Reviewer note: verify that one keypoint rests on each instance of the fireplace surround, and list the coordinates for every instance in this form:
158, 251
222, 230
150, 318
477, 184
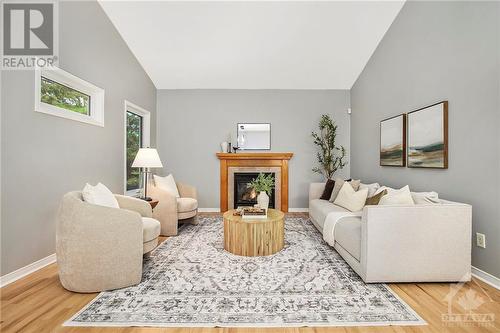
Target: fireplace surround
252, 163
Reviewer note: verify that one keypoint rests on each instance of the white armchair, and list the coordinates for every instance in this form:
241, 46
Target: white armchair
171, 211
100, 248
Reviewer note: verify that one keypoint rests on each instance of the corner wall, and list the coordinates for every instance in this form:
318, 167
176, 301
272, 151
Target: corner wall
192, 123
44, 156
439, 51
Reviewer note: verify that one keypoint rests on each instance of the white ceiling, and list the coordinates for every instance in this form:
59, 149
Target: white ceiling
252, 45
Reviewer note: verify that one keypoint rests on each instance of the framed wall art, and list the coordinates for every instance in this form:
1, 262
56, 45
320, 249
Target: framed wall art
393, 141
428, 137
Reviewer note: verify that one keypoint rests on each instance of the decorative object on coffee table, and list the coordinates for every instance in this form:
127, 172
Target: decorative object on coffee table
251, 238
146, 159
263, 184
330, 157
393, 141
428, 137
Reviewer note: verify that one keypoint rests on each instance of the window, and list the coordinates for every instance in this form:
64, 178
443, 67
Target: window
64, 97
137, 126
62, 94
134, 142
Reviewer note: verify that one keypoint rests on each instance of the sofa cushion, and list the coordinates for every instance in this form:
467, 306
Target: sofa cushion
327, 192
348, 235
99, 195
186, 204
351, 199
319, 209
339, 182
150, 229
167, 184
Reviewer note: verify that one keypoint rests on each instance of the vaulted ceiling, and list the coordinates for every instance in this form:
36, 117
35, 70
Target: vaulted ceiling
252, 45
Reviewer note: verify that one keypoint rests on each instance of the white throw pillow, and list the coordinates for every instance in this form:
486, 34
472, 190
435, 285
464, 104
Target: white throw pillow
167, 184
99, 195
372, 188
350, 199
397, 197
425, 197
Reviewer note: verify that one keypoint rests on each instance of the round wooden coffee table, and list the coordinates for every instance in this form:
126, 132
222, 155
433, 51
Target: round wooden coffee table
254, 237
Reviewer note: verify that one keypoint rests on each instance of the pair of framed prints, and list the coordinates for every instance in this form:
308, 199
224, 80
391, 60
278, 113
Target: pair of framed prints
418, 139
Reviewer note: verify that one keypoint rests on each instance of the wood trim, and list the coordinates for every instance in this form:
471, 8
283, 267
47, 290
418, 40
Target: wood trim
228, 160
254, 156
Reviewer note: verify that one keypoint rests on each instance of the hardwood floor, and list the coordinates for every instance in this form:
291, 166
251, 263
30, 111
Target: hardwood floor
38, 303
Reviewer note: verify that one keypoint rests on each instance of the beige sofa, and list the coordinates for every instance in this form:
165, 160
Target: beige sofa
100, 248
420, 243
171, 211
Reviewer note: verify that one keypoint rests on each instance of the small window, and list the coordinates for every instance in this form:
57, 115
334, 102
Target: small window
134, 142
64, 97
62, 94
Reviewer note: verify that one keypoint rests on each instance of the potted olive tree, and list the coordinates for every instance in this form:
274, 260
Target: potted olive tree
330, 156
263, 184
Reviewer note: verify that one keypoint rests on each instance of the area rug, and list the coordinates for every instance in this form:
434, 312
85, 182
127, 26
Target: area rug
191, 281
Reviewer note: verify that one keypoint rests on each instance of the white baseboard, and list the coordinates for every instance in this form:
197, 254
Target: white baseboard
26, 270
209, 210
298, 210
486, 277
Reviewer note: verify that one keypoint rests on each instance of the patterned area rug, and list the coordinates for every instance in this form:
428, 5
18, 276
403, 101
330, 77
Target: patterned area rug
191, 281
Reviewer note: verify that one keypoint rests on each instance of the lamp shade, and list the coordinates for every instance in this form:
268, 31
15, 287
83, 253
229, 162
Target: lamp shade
147, 158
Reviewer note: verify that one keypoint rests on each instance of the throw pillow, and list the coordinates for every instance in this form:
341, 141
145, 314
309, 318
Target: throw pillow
339, 182
425, 197
397, 197
99, 195
167, 184
372, 188
350, 199
327, 192
375, 199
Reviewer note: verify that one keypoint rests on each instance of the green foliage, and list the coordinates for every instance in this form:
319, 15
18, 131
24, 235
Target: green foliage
134, 142
64, 97
330, 156
263, 182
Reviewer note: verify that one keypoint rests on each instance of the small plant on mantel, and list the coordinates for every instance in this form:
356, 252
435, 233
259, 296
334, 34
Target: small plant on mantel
263, 183
330, 156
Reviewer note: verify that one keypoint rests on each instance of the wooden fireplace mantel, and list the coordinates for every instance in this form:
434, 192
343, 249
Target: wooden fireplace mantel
228, 160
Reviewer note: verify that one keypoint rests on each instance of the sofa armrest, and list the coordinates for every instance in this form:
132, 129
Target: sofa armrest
316, 190
134, 204
187, 191
416, 243
165, 211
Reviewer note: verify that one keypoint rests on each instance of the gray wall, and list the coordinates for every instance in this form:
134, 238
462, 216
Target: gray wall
192, 123
433, 52
45, 156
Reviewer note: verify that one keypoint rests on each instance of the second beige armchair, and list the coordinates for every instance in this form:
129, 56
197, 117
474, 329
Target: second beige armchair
171, 210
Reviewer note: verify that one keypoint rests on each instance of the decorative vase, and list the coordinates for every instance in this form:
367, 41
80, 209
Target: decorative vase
224, 146
263, 200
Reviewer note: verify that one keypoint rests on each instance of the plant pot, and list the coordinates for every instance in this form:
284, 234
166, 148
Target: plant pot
263, 200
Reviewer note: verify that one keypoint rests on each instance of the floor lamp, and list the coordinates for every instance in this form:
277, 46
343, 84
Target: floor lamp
146, 159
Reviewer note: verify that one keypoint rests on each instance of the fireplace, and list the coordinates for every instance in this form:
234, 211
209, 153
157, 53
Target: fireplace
244, 195
253, 163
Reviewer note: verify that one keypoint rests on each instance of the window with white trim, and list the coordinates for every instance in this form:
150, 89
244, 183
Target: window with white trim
62, 94
137, 127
